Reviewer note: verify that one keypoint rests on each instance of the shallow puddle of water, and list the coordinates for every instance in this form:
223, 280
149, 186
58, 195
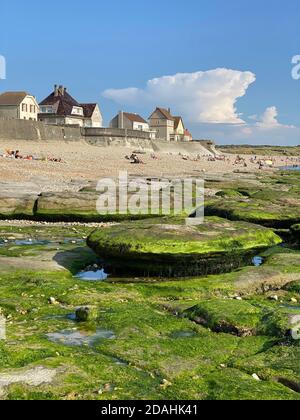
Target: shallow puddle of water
28, 242
98, 275
80, 338
183, 334
73, 241
290, 307
69, 317
291, 168
257, 261
119, 362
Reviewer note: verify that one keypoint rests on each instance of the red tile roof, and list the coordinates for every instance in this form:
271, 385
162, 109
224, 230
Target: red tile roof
187, 133
165, 113
134, 118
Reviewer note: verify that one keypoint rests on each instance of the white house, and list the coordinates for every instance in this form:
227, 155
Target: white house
18, 105
59, 108
130, 122
168, 127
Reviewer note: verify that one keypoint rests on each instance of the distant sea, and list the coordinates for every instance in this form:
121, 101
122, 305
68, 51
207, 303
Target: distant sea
290, 168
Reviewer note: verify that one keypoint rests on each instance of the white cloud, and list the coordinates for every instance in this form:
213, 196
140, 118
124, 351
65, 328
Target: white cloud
201, 97
247, 134
269, 120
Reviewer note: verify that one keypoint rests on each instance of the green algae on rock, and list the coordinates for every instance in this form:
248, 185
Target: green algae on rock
86, 313
242, 318
151, 343
82, 206
262, 212
170, 247
273, 203
79, 206
228, 316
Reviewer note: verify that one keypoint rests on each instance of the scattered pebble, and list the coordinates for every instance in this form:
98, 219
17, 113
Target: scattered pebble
53, 301
294, 300
165, 384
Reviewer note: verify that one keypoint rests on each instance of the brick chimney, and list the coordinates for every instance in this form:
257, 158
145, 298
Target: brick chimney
121, 119
61, 90
55, 90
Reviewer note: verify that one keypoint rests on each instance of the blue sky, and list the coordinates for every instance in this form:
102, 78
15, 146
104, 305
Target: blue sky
95, 46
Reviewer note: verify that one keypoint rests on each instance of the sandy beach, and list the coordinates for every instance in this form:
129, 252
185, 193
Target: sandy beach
83, 163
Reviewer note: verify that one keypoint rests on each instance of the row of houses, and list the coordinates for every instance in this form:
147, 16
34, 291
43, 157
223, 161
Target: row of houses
60, 108
162, 124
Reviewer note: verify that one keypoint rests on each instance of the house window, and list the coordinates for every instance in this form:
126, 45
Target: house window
77, 110
47, 110
32, 109
24, 107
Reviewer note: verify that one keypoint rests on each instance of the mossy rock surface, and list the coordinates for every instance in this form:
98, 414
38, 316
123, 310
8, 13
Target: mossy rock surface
241, 318
170, 247
280, 214
151, 345
228, 316
80, 206
229, 193
274, 203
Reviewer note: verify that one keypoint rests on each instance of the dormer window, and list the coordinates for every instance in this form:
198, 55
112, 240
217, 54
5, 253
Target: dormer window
47, 109
77, 110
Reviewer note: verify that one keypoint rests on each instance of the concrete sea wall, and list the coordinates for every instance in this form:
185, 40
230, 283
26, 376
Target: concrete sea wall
14, 130
36, 131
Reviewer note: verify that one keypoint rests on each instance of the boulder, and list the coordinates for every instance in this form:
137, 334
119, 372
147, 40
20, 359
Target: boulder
172, 248
67, 206
18, 205
82, 207
86, 313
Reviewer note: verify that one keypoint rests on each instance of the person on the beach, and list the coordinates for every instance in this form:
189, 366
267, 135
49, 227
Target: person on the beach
135, 159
